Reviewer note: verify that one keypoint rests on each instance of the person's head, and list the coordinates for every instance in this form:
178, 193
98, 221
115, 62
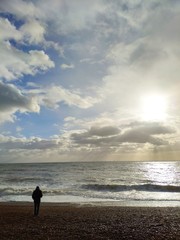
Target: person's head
37, 188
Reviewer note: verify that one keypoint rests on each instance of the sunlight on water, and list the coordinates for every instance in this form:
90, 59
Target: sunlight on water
162, 173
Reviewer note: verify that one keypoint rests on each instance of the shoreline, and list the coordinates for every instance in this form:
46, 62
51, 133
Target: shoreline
74, 221
133, 204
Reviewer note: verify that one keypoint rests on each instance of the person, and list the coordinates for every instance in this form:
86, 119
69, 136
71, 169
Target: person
36, 196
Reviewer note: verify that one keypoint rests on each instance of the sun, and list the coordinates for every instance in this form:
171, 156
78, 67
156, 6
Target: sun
154, 107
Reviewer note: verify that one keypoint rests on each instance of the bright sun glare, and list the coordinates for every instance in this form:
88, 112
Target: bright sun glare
154, 107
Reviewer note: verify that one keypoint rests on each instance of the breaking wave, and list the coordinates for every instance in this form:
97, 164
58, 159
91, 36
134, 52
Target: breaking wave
141, 187
28, 192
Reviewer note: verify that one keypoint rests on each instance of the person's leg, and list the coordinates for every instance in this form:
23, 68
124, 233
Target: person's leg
34, 208
38, 205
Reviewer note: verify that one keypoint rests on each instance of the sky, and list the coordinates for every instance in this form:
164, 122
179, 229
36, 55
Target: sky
89, 80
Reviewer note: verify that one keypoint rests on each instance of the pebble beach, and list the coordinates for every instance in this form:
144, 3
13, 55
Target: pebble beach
75, 221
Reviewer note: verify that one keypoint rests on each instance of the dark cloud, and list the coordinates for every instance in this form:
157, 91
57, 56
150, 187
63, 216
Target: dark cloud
136, 132
152, 128
139, 136
97, 135
104, 131
12, 98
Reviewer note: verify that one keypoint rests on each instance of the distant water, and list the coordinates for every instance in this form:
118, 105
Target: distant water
119, 183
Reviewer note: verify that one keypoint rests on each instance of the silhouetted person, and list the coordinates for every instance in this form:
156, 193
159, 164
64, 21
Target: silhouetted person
37, 195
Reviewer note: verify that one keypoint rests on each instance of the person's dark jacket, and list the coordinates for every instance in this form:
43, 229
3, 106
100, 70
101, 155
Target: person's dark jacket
37, 195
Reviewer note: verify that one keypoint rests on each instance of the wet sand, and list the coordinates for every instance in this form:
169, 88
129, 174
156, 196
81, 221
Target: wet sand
71, 221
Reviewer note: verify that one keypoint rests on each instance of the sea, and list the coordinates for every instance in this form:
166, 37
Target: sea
105, 183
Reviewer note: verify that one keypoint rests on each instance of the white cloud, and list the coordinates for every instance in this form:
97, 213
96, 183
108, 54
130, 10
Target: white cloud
33, 32
16, 63
20, 8
66, 66
102, 120
74, 15
8, 31
52, 96
39, 61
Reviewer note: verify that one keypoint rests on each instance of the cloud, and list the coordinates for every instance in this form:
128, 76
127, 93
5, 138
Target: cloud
33, 32
145, 62
138, 136
104, 131
11, 97
19, 8
54, 95
74, 16
8, 31
27, 144
13, 100
99, 121
136, 133
39, 61
152, 128
16, 63
95, 144
66, 66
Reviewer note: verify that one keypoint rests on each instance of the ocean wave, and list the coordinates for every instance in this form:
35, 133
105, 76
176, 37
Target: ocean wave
122, 188
13, 191
26, 179
28, 191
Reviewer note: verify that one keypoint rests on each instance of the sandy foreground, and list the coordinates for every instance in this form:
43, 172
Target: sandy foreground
73, 221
